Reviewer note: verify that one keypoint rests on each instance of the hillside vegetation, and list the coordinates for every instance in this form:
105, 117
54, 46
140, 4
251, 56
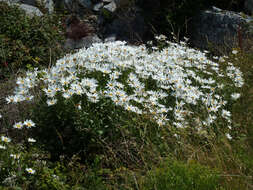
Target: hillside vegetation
118, 116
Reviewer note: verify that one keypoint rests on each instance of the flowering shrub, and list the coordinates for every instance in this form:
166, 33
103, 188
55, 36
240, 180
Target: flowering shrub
167, 83
94, 91
85, 99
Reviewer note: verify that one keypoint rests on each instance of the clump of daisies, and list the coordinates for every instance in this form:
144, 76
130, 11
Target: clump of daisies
178, 86
14, 156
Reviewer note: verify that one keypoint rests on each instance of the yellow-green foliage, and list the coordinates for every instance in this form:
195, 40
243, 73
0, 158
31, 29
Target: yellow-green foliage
179, 176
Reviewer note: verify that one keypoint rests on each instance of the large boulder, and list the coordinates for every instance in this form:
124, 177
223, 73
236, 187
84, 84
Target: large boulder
29, 9
218, 27
47, 5
128, 26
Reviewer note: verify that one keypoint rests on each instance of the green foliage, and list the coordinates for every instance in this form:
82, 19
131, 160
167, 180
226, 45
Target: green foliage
66, 130
62, 175
28, 42
176, 175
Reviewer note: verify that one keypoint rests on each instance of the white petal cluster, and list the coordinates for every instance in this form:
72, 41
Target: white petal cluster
167, 84
30, 170
236, 75
28, 123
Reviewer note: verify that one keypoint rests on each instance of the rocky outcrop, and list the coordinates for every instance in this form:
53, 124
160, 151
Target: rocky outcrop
220, 28
77, 6
47, 5
29, 9
128, 26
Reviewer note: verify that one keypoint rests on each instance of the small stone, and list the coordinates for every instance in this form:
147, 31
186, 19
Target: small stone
111, 7
98, 6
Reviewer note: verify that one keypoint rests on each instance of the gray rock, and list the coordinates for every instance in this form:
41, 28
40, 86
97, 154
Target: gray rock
98, 6
11, 1
29, 10
74, 6
219, 28
84, 42
129, 26
111, 7
248, 6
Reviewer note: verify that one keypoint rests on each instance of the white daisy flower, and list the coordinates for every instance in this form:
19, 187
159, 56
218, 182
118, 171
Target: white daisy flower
30, 170
15, 156
2, 147
235, 96
5, 139
51, 102
31, 140
29, 123
18, 125
229, 136
234, 52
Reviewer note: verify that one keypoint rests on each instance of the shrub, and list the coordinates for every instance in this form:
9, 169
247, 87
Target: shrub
25, 166
176, 175
28, 42
87, 96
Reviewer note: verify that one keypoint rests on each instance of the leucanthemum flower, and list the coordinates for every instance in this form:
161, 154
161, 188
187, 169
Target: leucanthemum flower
235, 96
30, 170
51, 102
5, 139
9, 99
2, 147
234, 52
18, 125
31, 140
228, 136
15, 156
29, 123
